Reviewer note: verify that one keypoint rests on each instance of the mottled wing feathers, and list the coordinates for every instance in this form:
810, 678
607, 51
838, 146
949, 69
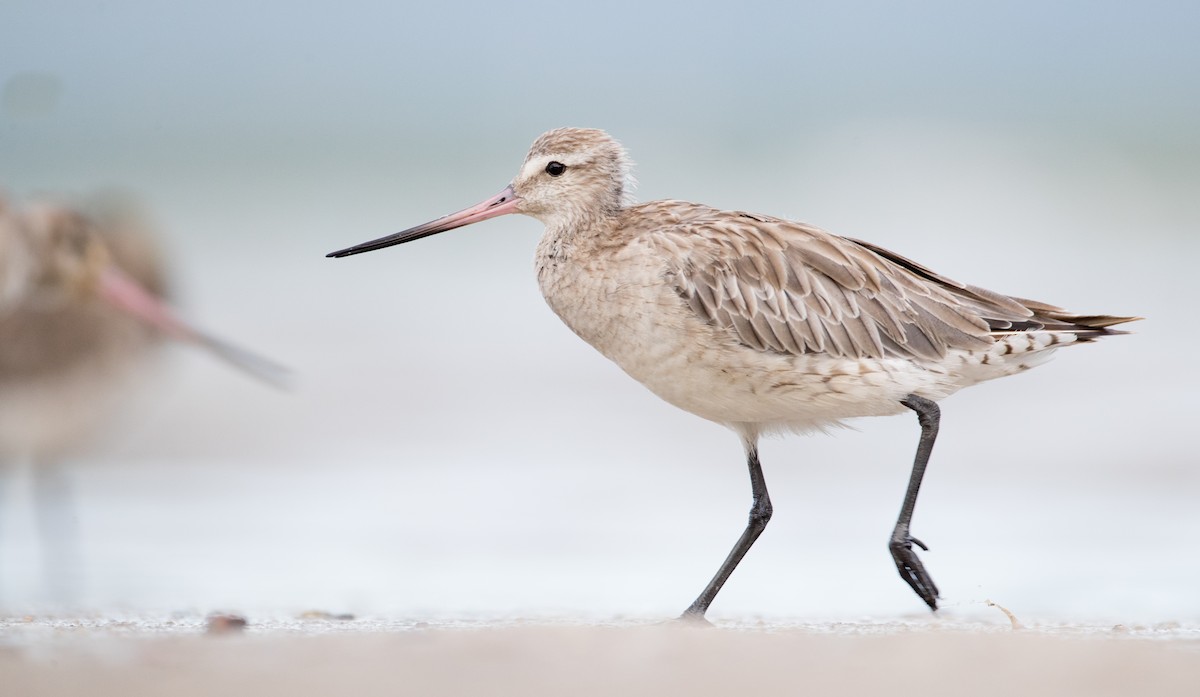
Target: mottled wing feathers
787, 287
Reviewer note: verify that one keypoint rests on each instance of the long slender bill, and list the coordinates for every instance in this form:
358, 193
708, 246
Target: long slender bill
502, 203
126, 294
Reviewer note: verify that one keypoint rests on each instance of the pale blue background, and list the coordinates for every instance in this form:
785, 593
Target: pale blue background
451, 449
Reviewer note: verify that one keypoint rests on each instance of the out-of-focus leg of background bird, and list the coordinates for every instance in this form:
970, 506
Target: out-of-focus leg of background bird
58, 525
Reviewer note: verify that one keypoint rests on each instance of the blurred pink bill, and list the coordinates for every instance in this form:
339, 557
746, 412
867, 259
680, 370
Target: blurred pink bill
125, 294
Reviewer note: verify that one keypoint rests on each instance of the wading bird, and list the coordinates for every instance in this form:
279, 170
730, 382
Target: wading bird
758, 323
81, 310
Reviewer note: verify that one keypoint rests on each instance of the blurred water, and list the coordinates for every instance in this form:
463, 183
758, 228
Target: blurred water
451, 448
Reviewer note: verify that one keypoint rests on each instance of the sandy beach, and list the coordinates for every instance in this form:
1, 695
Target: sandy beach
181, 657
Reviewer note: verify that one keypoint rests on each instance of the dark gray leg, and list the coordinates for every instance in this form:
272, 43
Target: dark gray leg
760, 513
901, 544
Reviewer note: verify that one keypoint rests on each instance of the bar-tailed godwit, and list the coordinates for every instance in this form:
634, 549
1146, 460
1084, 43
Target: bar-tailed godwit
758, 323
81, 309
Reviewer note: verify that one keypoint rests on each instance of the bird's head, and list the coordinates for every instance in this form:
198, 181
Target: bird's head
571, 176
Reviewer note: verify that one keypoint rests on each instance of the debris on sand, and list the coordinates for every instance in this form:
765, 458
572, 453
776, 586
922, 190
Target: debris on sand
221, 623
1011, 617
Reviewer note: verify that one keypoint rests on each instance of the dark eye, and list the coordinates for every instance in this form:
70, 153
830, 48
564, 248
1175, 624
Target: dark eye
555, 169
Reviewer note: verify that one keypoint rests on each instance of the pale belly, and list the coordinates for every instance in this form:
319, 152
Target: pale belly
58, 414
63, 387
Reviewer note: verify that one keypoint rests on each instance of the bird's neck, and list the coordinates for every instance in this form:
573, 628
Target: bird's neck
572, 238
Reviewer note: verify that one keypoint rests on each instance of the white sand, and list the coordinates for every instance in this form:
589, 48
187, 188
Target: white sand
131, 658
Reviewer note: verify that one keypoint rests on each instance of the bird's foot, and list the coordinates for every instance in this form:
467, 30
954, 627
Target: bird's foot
911, 569
692, 618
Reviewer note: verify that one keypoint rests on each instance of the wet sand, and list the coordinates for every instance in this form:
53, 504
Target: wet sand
180, 657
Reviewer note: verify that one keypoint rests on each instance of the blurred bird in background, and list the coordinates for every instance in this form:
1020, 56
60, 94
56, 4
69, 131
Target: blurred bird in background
83, 294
